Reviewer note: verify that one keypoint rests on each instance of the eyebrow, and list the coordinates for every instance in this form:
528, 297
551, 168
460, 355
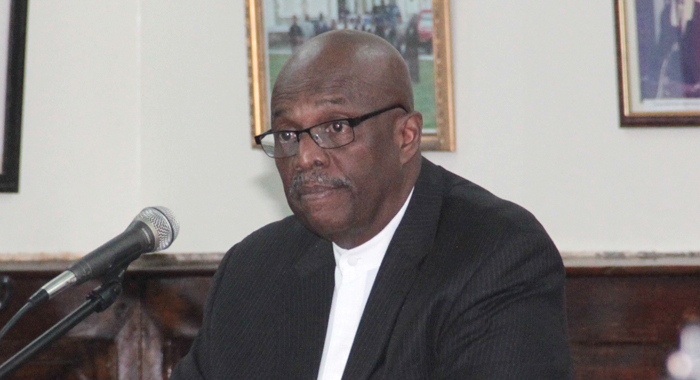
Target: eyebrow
278, 113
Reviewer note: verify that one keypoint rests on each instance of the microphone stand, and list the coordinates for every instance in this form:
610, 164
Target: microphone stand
98, 300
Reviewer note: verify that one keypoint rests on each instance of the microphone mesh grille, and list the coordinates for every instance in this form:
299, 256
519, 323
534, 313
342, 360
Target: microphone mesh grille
164, 222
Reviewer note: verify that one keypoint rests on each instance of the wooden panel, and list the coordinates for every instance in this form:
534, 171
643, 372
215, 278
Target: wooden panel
67, 359
88, 351
632, 309
619, 362
623, 322
172, 315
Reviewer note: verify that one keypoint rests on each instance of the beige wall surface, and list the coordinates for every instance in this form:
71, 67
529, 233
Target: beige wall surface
136, 103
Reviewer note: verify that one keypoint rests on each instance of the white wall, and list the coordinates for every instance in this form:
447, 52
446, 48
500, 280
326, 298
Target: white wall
80, 159
137, 103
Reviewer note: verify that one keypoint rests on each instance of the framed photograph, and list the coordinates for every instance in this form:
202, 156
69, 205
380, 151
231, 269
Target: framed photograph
13, 22
419, 29
658, 62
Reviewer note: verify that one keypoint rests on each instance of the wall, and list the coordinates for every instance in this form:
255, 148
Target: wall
80, 159
146, 102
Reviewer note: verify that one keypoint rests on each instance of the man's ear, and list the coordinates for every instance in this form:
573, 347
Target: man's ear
409, 135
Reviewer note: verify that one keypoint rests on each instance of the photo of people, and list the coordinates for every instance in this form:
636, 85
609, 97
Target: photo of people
406, 24
668, 34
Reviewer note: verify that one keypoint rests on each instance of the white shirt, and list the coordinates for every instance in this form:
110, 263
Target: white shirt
355, 272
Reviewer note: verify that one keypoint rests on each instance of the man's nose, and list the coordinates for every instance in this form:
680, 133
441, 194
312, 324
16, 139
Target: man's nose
310, 154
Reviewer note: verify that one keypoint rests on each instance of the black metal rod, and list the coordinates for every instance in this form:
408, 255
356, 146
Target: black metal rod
96, 302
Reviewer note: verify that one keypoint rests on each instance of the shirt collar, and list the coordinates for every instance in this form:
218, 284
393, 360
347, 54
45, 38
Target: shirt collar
370, 254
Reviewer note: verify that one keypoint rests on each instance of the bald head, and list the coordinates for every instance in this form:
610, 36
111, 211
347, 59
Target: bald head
367, 69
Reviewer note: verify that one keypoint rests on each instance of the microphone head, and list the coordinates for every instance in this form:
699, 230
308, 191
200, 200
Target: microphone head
162, 223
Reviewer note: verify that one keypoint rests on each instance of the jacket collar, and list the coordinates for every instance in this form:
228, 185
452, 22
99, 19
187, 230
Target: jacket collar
412, 241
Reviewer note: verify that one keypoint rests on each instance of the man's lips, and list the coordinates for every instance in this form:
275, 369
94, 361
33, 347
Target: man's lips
311, 192
312, 189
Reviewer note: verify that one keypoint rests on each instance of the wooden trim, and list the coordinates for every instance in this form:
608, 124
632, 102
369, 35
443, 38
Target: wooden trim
161, 265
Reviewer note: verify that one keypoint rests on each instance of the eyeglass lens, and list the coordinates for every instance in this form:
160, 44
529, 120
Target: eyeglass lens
328, 135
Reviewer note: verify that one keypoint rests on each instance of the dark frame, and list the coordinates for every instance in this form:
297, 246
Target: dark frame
9, 176
632, 26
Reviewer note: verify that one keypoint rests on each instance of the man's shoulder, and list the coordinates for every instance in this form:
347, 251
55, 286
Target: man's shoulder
285, 231
277, 245
476, 227
466, 204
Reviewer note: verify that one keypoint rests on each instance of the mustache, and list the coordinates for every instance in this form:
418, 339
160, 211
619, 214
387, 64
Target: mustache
317, 178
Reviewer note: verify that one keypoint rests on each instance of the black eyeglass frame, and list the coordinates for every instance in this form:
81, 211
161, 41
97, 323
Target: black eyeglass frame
352, 123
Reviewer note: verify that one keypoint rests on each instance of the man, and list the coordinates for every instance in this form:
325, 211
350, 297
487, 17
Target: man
391, 267
296, 35
320, 26
307, 27
412, 44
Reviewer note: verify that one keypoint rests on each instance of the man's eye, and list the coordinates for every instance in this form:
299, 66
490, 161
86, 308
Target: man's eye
337, 127
285, 136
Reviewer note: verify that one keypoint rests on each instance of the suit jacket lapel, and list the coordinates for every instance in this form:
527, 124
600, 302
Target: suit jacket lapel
411, 243
308, 304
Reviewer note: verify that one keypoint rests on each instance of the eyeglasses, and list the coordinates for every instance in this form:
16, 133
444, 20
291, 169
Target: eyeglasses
328, 135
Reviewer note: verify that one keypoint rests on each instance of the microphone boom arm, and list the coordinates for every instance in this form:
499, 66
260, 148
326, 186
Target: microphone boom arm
98, 300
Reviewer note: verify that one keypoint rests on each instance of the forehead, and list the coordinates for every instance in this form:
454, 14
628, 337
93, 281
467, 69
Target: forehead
303, 94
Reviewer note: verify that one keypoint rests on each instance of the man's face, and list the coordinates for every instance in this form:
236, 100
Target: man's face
342, 193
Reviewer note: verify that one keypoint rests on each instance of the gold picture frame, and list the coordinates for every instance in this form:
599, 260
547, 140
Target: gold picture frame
658, 70
439, 131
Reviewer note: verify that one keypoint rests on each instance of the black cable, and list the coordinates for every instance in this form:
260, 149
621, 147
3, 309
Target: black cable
15, 318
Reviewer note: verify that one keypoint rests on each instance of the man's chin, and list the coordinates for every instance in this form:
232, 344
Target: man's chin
324, 213
325, 224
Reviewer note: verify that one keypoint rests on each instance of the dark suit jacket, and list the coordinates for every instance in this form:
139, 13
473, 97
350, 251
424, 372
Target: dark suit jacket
471, 287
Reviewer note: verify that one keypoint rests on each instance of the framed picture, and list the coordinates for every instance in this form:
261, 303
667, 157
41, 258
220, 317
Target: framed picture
658, 62
13, 21
275, 27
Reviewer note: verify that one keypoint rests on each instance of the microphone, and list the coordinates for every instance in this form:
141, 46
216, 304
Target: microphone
153, 229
